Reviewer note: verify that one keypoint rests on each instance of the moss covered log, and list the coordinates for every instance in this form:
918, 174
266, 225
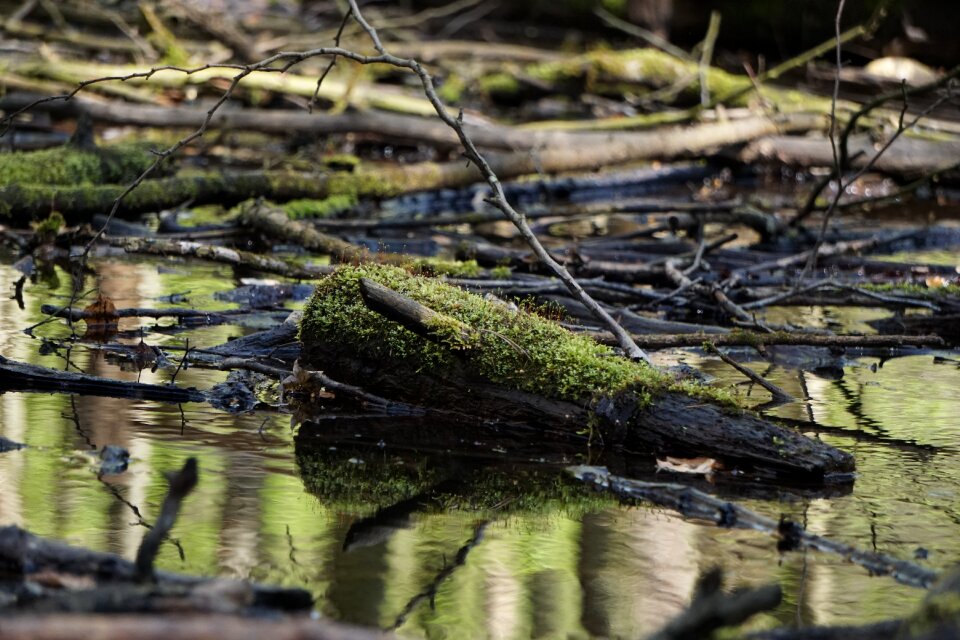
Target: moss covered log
616, 72
71, 165
492, 362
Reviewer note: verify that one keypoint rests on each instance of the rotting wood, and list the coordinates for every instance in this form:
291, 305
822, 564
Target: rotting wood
670, 421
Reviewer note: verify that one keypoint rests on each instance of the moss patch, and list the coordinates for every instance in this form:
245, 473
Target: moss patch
72, 166
517, 349
322, 208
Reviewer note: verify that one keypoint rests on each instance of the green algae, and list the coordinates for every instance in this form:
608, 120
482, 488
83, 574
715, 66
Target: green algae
514, 348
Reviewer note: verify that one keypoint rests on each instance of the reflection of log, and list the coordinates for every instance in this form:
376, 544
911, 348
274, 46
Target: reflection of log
19, 376
672, 422
24, 556
184, 627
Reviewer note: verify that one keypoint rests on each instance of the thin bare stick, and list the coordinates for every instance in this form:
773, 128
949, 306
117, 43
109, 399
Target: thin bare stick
499, 199
778, 394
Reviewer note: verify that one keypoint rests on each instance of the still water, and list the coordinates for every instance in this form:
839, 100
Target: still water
557, 567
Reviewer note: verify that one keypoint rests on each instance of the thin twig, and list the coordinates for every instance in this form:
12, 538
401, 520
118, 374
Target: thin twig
499, 199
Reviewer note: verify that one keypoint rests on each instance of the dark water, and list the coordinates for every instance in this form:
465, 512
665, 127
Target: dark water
555, 569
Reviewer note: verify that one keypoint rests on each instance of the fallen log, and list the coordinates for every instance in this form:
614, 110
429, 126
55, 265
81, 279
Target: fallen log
19, 376
453, 350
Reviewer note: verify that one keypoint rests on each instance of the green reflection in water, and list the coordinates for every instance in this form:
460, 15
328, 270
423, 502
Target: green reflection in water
546, 567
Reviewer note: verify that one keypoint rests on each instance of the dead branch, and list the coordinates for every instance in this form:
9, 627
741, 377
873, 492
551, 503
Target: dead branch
29, 377
222, 254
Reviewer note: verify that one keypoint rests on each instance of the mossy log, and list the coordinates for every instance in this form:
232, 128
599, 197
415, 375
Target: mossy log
479, 358
74, 165
25, 199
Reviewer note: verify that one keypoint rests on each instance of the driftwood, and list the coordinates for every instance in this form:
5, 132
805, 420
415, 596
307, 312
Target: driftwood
192, 316
750, 338
19, 376
672, 422
181, 484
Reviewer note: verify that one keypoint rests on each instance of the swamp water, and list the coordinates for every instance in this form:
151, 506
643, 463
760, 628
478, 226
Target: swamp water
573, 565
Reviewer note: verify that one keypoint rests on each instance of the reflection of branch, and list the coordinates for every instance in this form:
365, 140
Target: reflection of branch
698, 505
712, 608
181, 483
431, 590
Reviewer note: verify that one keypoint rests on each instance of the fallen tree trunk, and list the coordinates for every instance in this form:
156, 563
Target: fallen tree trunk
19, 376
457, 351
906, 156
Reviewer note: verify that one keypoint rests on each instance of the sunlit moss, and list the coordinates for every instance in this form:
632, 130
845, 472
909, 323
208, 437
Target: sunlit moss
451, 91
441, 267
499, 84
319, 208
49, 226
914, 289
513, 348
69, 165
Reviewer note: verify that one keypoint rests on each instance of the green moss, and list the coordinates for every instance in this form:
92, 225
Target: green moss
451, 91
938, 611
441, 267
73, 166
914, 289
517, 349
501, 273
49, 227
323, 208
341, 162
499, 84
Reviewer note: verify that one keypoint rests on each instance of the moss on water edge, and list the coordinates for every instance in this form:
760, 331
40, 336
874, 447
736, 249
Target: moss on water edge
517, 349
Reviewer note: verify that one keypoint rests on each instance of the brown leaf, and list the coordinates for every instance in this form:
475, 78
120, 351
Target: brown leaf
699, 466
101, 318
